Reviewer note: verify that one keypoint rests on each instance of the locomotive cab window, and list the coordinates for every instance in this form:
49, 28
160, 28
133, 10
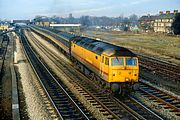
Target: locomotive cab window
107, 61
117, 61
131, 61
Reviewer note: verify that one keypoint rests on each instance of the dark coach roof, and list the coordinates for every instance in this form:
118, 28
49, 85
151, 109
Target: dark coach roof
100, 47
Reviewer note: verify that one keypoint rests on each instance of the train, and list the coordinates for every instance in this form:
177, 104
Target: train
115, 68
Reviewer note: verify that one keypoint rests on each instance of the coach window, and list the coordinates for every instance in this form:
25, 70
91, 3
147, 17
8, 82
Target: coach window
107, 61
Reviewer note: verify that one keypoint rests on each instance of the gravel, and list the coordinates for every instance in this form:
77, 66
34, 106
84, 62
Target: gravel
35, 107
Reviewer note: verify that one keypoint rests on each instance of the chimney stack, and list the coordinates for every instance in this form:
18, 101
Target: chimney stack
168, 12
160, 12
175, 11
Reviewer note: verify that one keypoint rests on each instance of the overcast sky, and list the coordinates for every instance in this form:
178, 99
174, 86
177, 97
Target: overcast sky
27, 9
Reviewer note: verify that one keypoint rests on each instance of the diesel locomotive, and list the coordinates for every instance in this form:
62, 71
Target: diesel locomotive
115, 67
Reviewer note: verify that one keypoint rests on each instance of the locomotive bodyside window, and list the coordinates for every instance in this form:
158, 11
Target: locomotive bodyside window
107, 61
103, 59
96, 57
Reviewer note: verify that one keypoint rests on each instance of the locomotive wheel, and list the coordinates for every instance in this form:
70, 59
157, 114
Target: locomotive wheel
123, 92
136, 86
120, 90
91, 76
115, 88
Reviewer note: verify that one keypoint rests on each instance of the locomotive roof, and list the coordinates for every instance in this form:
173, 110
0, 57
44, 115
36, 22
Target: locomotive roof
96, 46
100, 47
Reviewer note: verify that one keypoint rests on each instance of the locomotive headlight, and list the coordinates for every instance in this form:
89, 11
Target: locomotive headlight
126, 79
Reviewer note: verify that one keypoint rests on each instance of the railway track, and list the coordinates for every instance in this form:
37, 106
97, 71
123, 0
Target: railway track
3, 49
166, 69
141, 111
61, 99
113, 105
164, 99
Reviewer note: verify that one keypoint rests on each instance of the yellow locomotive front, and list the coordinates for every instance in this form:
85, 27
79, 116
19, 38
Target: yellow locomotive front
123, 69
121, 72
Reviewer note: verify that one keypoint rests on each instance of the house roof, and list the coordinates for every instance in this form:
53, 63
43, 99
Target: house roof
166, 16
160, 16
146, 18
